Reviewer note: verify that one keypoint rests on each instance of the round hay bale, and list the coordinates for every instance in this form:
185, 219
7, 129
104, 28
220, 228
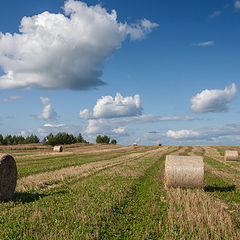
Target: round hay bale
58, 149
134, 144
184, 171
231, 155
158, 144
8, 176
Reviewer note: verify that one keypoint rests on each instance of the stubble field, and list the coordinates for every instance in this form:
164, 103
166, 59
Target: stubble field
117, 192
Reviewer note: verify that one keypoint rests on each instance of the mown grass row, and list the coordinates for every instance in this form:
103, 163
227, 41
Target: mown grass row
142, 213
57, 162
79, 209
108, 205
30, 166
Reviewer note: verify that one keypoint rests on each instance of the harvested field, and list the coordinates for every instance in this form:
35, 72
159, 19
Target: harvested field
117, 192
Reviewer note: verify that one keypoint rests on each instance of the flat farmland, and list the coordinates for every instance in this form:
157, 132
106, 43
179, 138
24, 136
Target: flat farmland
117, 192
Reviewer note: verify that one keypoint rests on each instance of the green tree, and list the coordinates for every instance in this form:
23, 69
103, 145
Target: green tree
80, 138
50, 139
8, 140
18, 140
32, 139
99, 139
102, 139
44, 141
61, 138
1, 139
114, 141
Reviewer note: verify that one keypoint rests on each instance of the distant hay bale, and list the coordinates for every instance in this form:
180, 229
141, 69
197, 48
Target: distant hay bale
8, 176
134, 144
58, 149
184, 171
231, 155
158, 144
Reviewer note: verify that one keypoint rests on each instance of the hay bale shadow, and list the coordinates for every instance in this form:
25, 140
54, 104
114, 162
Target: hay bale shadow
25, 197
220, 189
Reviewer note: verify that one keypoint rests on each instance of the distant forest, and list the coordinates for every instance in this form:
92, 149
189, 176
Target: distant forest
60, 138
14, 140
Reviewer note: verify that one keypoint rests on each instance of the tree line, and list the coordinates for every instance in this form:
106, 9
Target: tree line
58, 139
105, 139
63, 138
14, 140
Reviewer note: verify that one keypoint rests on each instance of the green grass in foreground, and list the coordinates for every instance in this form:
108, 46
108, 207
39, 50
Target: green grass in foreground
57, 162
142, 213
98, 206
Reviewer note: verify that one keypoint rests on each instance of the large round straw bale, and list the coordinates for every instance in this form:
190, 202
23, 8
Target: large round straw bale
231, 155
158, 144
58, 149
8, 176
184, 171
134, 144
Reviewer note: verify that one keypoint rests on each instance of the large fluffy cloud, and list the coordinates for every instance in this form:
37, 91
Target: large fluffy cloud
67, 50
48, 113
213, 100
109, 107
112, 115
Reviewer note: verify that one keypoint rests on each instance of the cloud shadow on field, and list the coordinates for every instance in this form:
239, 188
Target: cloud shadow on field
219, 189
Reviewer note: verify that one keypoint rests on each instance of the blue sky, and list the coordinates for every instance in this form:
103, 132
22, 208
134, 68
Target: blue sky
148, 71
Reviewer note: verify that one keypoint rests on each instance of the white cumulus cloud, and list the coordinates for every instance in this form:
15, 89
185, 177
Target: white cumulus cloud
182, 133
45, 100
109, 107
111, 115
119, 130
213, 100
53, 125
48, 113
85, 114
57, 51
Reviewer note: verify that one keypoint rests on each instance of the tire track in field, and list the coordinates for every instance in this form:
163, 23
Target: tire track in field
44, 179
